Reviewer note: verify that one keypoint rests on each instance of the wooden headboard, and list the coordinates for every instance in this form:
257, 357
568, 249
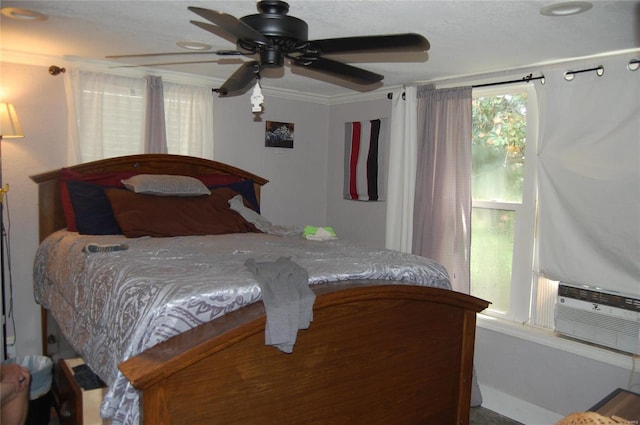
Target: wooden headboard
51, 215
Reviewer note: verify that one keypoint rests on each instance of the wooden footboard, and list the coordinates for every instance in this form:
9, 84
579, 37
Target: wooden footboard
374, 354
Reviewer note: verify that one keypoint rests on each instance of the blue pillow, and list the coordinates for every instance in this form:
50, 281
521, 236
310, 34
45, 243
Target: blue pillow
245, 188
92, 209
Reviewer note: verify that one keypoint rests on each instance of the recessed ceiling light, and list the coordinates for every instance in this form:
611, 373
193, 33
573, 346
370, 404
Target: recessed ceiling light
193, 45
566, 8
23, 14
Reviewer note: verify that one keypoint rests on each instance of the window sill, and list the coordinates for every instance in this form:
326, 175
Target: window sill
549, 338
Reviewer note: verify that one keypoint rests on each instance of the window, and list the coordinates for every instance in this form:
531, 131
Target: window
109, 111
188, 114
504, 120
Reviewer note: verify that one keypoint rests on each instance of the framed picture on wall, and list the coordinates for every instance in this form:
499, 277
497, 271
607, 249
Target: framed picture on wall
278, 135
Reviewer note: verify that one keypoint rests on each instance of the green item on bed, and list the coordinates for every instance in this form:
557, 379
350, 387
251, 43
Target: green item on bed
313, 231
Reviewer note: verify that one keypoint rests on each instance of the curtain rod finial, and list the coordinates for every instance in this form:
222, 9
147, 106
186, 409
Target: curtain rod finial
56, 70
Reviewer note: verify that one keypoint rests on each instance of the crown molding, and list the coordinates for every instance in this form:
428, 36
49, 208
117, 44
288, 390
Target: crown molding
36, 59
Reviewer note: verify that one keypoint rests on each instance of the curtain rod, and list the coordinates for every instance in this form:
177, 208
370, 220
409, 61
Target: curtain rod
404, 95
569, 75
634, 65
526, 79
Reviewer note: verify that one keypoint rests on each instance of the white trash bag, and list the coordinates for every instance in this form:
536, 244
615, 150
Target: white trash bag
40, 368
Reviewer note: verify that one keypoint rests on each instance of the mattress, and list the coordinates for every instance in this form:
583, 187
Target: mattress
114, 305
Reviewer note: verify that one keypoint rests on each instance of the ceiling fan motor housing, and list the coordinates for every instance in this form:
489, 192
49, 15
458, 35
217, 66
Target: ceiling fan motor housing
286, 32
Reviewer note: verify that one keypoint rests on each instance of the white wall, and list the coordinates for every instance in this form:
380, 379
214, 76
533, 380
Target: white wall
39, 102
555, 374
297, 177
355, 220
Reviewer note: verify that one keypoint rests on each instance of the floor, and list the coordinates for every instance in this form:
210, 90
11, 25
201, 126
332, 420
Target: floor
38, 414
479, 416
483, 416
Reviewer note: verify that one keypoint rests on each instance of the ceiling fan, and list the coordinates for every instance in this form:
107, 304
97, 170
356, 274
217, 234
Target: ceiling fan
274, 36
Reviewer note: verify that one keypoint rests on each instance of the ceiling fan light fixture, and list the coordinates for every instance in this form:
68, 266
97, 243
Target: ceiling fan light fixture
20, 14
566, 8
193, 45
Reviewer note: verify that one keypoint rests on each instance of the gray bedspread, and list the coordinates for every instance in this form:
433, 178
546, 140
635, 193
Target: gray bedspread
114, 305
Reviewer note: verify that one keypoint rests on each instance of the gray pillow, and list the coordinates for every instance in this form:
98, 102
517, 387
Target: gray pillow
166, 185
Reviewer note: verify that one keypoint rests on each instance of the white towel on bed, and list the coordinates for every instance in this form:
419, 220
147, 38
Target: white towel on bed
287, 298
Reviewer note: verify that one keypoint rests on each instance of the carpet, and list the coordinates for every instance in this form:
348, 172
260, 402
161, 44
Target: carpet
483, 416
478, 416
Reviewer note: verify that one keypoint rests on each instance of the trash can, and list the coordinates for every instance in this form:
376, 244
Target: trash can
40, 368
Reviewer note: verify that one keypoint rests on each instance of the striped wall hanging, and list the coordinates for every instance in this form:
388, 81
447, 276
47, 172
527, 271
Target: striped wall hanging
365, 149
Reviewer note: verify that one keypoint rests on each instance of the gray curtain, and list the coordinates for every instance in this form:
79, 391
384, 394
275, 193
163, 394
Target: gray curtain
442, 206
442, 202
155, 136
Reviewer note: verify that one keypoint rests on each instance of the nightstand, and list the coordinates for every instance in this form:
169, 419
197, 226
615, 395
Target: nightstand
77, 406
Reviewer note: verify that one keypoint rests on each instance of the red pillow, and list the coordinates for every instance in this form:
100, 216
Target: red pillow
149, 215
217, 179
114, 179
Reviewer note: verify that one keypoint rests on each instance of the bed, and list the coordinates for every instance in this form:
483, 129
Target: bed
389, 342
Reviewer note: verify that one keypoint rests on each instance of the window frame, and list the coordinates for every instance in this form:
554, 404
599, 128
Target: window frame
525, 212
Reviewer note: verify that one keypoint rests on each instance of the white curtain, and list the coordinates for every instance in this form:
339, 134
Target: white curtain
403, 148
442, 206
106, 115
155, 136
589, 178
189, 119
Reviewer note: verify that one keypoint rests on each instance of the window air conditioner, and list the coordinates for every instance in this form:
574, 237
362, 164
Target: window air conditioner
599, 316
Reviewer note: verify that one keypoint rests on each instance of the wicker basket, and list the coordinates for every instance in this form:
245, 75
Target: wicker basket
591, 418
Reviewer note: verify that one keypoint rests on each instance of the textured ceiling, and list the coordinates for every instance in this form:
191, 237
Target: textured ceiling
467, 37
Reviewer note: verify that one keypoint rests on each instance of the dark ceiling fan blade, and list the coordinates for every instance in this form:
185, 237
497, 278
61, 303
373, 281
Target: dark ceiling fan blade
339, 69
240, 79
217, 30
226, 61
231, 24
409, 42
148, 55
